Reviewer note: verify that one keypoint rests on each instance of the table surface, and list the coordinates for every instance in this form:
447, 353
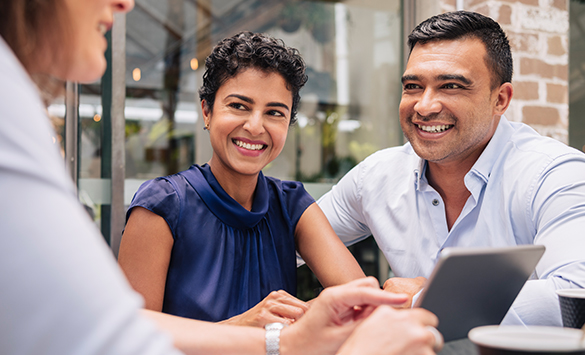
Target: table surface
459, 347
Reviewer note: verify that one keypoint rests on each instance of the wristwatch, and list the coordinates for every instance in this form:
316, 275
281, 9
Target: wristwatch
273, 338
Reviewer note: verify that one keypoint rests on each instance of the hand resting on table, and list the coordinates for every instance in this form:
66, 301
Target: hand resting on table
278, 306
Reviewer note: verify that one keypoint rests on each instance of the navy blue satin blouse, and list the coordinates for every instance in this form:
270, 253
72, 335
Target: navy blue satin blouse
225, 259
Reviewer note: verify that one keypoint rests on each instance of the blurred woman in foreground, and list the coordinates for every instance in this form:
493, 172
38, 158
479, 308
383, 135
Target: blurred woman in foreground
61, 291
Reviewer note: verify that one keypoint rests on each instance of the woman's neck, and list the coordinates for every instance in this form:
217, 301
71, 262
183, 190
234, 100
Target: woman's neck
240, 187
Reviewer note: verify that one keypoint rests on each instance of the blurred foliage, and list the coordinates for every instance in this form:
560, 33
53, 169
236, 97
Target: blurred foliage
317, 17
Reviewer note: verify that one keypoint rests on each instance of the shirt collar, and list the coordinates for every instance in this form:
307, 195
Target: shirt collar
420, 166
484, 164
221, 204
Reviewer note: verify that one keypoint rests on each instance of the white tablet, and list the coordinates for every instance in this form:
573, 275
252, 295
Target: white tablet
471, 287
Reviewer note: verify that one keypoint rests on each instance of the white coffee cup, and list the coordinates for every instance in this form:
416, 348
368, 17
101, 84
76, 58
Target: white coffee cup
496, 340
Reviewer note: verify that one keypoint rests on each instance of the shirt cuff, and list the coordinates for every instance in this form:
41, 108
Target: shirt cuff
415, 298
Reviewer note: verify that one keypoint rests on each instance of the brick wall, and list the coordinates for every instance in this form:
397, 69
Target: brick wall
538, 34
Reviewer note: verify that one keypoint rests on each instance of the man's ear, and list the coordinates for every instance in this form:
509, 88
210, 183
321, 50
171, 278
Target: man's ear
503, 98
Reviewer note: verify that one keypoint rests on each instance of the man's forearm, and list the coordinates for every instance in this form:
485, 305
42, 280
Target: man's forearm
536, 304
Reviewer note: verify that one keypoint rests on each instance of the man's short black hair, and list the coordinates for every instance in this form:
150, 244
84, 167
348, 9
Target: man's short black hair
253, 50
466, 24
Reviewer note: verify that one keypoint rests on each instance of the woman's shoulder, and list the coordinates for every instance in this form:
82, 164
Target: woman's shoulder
163, 196
160, 185
285, 186
173, 183
290, 193
163, 192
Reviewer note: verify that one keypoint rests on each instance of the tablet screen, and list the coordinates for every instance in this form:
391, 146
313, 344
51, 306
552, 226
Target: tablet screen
470, 287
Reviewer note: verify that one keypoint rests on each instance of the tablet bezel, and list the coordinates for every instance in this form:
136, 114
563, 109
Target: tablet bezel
471, 287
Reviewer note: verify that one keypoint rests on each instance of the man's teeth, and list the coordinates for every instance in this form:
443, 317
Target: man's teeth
102, 28
249, 146
435, 129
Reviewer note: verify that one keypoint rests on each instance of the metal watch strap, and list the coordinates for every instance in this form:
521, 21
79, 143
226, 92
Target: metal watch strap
273, 338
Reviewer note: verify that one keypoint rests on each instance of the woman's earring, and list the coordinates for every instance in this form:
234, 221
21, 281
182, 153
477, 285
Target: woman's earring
206, 128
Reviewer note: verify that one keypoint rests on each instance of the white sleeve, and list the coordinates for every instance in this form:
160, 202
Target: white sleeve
342, 208
558, 213
61, 291
537, 303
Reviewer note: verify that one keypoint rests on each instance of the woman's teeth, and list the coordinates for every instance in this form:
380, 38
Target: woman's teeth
435, 129
248, 145
102, 28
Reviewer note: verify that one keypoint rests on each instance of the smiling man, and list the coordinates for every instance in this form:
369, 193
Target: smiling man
467, 177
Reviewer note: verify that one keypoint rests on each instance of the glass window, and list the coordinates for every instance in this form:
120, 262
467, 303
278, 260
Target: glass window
348, 109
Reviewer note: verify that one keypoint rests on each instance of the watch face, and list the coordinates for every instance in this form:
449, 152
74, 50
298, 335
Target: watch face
274, 326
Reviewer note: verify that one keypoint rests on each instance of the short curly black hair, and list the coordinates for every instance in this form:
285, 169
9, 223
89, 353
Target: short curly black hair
253, 50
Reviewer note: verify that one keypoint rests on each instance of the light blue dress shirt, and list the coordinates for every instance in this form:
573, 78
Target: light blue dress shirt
525, 189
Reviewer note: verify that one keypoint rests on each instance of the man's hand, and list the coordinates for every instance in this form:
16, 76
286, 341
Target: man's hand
392, 332
334, 315
404, 285
278, 306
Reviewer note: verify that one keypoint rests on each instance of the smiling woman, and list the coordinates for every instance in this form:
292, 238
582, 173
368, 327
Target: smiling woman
218, 242
248, 128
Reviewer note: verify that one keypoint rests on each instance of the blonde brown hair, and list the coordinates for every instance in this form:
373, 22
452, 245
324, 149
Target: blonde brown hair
34, 29
30, 26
